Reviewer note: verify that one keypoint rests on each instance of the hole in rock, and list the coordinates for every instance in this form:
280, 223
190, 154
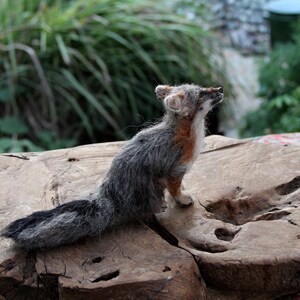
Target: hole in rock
289, 187
166, 269
107, 276
273, 215
237, 211
8, 265
273, 209
224, 234
73, 159
297, 275
210, 248
292, 222
97, 260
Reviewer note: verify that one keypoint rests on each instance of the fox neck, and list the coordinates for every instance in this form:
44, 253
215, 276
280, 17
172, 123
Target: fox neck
198, 126
189, 135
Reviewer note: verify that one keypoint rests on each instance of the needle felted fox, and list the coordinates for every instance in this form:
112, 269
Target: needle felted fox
154, 160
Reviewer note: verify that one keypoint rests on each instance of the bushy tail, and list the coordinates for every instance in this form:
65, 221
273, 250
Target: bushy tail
62, 225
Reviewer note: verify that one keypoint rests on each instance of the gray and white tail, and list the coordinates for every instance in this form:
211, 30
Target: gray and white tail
62, 225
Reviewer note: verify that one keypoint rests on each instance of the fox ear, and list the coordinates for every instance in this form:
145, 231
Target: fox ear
175, 103
162, 91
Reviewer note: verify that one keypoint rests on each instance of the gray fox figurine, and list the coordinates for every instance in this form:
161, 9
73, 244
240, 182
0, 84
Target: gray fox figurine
154, 160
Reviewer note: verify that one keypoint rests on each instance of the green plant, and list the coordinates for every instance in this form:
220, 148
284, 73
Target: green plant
13, 131
280, 87
85, 69
278, 115
280, 73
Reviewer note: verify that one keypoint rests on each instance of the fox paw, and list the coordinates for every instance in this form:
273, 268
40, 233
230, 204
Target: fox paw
184, 199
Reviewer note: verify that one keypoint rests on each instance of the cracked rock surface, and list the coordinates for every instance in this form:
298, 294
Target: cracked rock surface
242, 234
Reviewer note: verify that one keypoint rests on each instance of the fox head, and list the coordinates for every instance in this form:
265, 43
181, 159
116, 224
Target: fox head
188, 99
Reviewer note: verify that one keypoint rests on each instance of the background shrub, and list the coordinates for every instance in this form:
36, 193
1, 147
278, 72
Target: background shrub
81, 71
280, 89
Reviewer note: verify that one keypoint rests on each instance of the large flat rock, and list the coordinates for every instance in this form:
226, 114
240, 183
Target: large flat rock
132, 262
129, 263
243, 230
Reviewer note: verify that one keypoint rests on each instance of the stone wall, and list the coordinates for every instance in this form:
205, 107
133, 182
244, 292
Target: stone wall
244, 22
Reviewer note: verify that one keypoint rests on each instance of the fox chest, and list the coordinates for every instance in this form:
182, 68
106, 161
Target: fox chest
191, 138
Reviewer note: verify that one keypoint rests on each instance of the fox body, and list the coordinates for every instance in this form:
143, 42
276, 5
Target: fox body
154, 160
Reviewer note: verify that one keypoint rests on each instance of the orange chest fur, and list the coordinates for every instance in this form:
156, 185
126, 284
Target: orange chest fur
185, 137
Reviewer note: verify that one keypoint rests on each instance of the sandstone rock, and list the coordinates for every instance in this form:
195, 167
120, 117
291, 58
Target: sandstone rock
128, 263
243, 230
131, 263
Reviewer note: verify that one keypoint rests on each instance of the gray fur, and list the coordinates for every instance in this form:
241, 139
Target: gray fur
135, 184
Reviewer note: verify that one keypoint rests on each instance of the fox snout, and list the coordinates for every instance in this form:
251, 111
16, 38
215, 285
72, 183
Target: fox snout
214, 95
212, 90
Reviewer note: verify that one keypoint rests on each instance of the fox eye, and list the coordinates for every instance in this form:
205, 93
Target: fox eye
201, 94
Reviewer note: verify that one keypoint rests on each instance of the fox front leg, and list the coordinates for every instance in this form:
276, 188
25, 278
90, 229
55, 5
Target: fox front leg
174, 188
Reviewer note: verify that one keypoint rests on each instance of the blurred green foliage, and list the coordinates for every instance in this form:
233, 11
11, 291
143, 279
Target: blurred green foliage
280, 89
80, 71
